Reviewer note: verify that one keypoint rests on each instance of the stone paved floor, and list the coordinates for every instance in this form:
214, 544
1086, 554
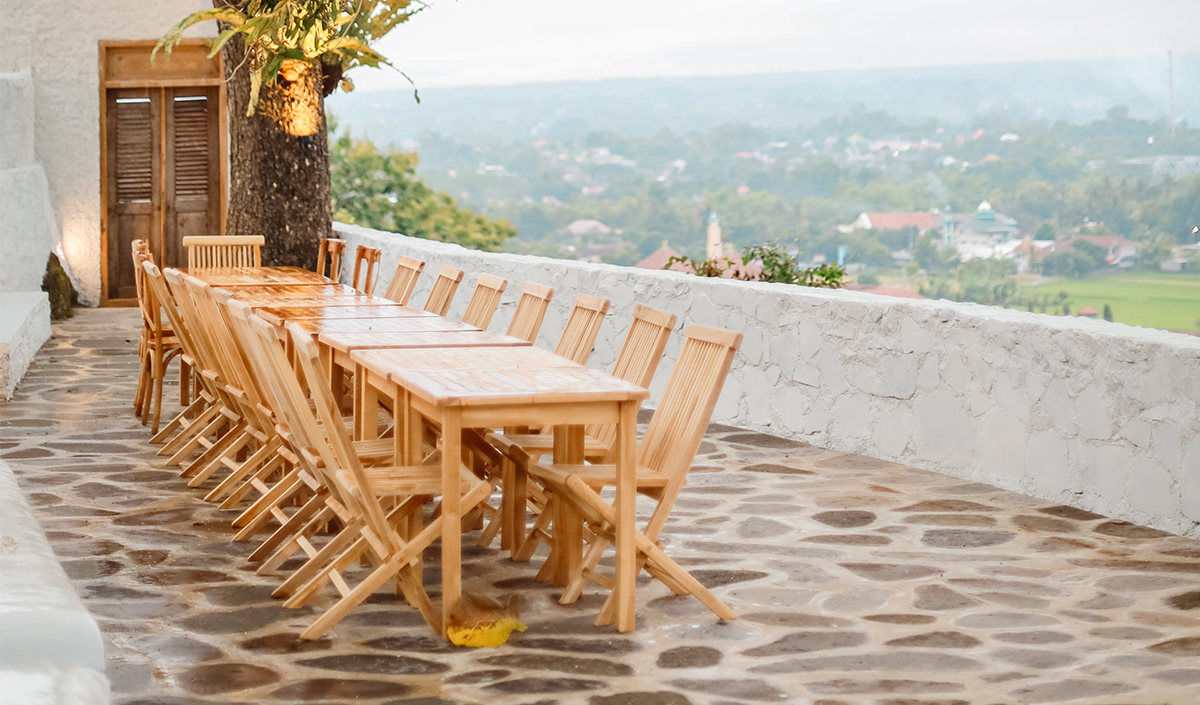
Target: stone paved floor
856, 581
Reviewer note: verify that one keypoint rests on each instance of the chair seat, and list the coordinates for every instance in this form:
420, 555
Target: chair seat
405, 481
595, 475
375, 449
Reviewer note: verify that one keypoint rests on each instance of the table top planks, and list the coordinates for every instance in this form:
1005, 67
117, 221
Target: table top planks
277, 315
474, 338
493, 387
418, 322
256, 276
270, 293
381, 361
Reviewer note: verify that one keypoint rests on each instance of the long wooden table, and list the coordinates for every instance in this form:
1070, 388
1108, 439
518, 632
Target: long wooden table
458, 377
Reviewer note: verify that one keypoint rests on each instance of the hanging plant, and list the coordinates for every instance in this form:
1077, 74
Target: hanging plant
292, 38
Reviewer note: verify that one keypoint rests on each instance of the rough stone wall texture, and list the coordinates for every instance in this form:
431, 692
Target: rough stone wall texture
1101, 416
59, 41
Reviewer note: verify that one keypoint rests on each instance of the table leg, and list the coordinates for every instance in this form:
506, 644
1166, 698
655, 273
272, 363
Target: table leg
568, 524
366, 406
626, 511
451, 514
400, 419
333, 372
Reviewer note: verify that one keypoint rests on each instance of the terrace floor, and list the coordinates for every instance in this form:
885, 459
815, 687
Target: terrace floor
856, 581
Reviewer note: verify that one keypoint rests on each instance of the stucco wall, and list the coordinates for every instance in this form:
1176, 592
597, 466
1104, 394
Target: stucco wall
1101, 416
59, 41
28, 230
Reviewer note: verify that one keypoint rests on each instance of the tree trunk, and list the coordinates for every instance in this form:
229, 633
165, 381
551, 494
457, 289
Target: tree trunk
278, 160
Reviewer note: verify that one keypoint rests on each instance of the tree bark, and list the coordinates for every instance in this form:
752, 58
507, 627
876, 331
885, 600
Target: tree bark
278, 160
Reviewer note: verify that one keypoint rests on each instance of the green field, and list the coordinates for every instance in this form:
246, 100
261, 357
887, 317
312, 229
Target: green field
1149, 299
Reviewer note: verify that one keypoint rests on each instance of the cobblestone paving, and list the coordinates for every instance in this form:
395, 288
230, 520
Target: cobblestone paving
856, 581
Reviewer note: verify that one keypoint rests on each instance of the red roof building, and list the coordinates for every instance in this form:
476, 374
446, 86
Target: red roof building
659, 258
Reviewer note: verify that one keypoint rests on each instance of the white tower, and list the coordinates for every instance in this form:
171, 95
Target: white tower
714, 237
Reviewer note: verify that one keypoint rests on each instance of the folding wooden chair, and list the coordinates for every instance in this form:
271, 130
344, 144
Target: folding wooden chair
583, 325
390, 540
444, 288
664, 457
484, 301
156, 348
222, 415
636, 363
369, 256
253, 431
329, 253
531, 309
220, 251
400, 289
202, 409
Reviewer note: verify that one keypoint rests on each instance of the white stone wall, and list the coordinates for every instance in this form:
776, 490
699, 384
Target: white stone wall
59, 41
28, 231
1101, 416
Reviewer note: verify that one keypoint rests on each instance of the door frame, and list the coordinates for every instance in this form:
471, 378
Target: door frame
125, 64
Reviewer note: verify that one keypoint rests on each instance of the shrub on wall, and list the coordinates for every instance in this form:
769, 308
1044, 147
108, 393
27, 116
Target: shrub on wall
57, 284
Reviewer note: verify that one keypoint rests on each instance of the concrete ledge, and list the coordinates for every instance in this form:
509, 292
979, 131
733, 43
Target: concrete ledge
1097, 415
42, 620
24, 328
48, 685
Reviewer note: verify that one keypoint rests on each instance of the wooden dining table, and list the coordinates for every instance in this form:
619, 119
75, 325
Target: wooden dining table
458, 377
564, 397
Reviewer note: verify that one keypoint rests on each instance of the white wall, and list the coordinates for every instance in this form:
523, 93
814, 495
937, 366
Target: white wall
28, 230
1101, 416
59, 41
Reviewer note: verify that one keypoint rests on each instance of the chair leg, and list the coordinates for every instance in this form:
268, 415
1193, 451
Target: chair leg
260, 510
159, 372
213, 452
257, 481
590, 560
235, 478
188, 444
306, 522
234, 447
179, 422
185, 383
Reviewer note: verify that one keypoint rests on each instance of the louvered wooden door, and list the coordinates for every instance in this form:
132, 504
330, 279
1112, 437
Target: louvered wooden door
192, 169
163, 176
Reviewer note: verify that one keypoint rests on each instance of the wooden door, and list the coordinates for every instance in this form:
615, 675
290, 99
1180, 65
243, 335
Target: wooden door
192, 169
162, 156
164, 173
134, 177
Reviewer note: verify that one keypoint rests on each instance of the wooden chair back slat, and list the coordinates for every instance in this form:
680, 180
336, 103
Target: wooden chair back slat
150, 318
444, 288
337, 450
204, 354
222, 251
329, 256
682, 416
156, 284
639, 357
484, 301
583, 325
370, 257
400, 289
531, 309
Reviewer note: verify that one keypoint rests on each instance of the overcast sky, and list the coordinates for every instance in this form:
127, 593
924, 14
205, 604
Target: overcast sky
494, 42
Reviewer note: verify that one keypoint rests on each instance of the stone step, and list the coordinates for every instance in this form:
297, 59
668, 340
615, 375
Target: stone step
24, 327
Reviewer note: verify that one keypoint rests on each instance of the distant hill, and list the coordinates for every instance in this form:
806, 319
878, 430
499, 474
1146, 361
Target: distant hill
1076, 91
